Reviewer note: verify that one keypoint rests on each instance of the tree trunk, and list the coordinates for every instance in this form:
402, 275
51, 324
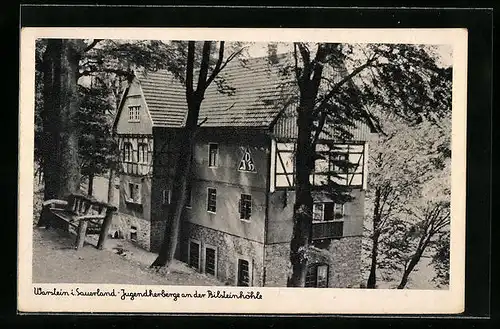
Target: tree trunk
50, 117
413, 262
90, 189
111, 186
302, 211
61, 105
372, 278
173, 224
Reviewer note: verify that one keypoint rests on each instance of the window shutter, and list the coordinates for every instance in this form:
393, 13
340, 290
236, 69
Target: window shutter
240, 207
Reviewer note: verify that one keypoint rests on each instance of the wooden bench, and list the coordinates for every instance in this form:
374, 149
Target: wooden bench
83, 213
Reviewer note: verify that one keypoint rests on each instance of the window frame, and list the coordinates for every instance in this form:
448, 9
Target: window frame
216, 259
199, 253
128, 152
216, 159
250, 270
314, 267
334, 204
134, 113
208, 200
145, 153
130, 198
241, 205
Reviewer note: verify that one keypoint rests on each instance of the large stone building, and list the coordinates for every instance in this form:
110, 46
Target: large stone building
237, 224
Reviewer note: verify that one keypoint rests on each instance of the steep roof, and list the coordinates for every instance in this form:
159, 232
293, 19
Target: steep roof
255, 83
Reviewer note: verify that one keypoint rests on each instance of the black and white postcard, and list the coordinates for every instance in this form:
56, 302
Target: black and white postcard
176, 170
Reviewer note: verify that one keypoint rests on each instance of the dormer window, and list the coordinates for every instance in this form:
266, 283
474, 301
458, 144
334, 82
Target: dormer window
133, 113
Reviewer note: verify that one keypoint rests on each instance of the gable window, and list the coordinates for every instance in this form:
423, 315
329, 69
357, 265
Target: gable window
328, 220
213, 155
210, 260
245, 206
166, 196
143, 154
194, 254
134, 193
317, 276
127, 152
212, 200
133, 113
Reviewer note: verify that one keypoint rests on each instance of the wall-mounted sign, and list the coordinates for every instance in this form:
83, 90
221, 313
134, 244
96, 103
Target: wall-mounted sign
246, 163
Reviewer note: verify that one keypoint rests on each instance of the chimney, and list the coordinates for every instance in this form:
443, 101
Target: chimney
272, 50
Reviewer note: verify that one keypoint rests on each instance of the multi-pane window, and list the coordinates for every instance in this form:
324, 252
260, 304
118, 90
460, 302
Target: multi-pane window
212, 200
134, 193
210, 260
328, 220
127, 152
245, 206
328, 211
143, 154
243, 273
317, 276
194, 254
133, 113
213, 155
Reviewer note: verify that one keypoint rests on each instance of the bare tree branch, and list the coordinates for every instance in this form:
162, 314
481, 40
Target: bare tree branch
92, 45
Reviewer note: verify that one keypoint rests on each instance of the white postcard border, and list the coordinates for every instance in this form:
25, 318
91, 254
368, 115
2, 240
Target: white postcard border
274, 300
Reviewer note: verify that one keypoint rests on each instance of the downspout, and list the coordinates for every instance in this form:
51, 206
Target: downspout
268, 190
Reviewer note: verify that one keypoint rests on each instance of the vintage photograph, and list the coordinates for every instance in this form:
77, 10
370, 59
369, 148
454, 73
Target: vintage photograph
228, 164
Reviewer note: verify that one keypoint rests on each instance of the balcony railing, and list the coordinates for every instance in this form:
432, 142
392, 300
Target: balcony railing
327, 230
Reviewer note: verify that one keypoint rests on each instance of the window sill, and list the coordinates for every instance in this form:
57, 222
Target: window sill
134, 121
245, 220
211, 212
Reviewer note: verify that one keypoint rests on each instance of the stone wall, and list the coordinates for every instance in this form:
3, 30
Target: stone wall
229, 249
342, 255
277, 264
121, 227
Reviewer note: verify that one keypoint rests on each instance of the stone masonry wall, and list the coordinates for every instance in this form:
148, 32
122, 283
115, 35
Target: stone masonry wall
343, 257
229, 249
121, 227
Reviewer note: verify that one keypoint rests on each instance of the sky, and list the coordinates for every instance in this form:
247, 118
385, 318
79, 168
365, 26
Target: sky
443, 52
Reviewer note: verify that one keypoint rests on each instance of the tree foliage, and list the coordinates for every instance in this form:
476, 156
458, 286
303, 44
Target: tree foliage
56, 111
97, 148
408, 196
336, 84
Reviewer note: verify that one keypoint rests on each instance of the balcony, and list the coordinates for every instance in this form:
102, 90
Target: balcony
327, 230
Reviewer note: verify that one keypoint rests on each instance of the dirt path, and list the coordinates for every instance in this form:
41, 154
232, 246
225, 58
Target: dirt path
55, 261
